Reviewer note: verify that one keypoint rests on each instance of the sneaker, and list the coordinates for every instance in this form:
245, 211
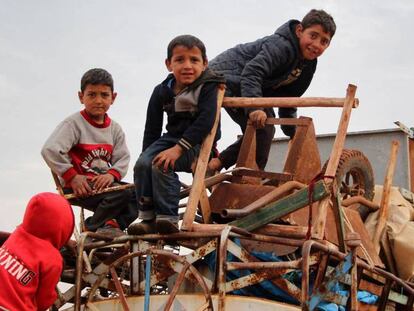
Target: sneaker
166, 226
143, 227
110, 229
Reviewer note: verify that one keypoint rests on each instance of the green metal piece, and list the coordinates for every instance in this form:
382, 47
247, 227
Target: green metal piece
280, 208
339, 215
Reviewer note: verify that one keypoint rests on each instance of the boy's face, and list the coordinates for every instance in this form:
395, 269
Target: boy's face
186, 65
313, 41
97, 99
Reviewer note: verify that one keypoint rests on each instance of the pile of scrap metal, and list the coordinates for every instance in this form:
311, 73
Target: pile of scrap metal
275, 241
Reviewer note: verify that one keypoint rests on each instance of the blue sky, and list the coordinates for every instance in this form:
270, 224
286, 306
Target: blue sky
46, 46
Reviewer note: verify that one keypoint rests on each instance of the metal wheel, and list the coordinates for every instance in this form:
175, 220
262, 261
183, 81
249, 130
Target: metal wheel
355, 177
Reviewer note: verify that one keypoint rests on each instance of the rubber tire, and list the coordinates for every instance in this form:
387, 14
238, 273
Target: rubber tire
358, 166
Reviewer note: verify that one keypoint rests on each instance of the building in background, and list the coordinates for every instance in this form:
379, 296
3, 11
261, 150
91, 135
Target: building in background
376, 145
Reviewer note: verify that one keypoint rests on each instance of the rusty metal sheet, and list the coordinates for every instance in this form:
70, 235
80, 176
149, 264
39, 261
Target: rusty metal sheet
236, 196
303, 159
359, 227
301, 217
276, 249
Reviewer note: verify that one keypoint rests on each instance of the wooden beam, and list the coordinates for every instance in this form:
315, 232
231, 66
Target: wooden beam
198, 181
318, 227
384, 210
411, 162
286, 102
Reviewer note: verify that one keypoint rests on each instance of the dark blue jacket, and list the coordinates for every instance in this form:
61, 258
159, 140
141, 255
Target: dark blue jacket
257, 68
190, 114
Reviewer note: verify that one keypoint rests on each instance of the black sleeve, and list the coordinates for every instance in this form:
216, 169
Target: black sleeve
270, 59
154, 121
202, 125
295, 89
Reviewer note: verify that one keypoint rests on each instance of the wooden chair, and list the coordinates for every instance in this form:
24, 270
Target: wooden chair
71, 197
198, 193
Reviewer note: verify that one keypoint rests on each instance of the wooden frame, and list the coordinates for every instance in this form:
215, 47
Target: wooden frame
246, 158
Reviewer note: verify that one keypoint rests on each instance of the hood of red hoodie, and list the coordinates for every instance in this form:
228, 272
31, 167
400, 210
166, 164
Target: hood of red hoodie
49, 217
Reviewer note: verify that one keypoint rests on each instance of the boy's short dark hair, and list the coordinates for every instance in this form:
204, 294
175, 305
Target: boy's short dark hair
319, 17
97, 76
189, 42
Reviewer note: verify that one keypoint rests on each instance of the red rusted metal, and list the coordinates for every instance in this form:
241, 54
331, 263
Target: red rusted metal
266, 270
361, 200
222, 256
119, 289
269, 197
174, 290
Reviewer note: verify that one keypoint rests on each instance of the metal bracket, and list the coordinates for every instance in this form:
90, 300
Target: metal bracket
409, 131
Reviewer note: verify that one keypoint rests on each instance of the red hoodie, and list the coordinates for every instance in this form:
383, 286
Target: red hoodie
30, 262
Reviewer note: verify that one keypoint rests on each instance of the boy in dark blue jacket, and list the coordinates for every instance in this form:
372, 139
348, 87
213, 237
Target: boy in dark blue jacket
189, 97
279, 65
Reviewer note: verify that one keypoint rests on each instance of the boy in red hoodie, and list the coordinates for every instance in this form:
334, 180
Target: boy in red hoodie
30, 261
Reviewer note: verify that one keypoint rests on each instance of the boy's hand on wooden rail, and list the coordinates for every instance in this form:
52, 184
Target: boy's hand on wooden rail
80, 186
102, 181
258, 118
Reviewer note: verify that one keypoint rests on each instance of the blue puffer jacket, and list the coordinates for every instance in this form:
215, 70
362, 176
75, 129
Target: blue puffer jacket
255, 69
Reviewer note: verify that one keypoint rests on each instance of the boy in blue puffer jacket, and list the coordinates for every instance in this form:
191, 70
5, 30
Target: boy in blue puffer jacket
279, 65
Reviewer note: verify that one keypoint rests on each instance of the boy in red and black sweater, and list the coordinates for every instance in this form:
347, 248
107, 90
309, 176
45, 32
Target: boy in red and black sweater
88, 152
30, 261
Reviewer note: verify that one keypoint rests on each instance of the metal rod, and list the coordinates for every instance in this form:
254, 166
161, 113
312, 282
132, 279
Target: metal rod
148, 283
361, 200
269, 197
264, 265
119, 289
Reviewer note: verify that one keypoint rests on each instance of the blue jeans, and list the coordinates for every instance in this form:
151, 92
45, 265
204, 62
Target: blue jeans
157, 191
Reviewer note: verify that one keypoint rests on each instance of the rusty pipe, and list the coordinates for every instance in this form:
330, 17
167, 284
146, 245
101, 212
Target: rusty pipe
361, 200
208, 182
221, 277
269, 197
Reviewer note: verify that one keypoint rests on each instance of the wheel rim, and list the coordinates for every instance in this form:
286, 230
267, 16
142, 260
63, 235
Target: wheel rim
352, 184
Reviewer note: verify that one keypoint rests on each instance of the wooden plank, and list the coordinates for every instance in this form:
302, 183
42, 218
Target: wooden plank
201, 167
263, 174
205, 207
339, 221
318, 228
383, 211
303, 159
285, 231
247, 152
411, 162
247, 155
286, 102
281, 207
301, 121
353, 223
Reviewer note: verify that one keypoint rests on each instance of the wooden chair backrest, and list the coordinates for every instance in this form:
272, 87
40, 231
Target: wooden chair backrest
302, 159
198, 193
